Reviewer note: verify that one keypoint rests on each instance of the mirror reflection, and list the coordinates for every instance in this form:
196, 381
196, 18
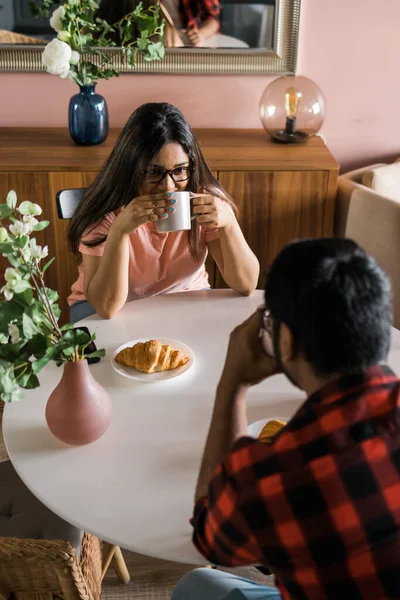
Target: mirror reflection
188, 23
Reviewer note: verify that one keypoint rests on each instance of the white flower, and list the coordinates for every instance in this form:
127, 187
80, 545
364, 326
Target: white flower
56, 18
73, 2
56, 58
37, 251
12, 277
30, 221
29, 208
19, 228
3, 339
13, 332
75, 56
7, 293
3, 234
26, 254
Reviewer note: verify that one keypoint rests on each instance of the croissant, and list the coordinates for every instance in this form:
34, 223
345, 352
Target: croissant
151, 357
270, 429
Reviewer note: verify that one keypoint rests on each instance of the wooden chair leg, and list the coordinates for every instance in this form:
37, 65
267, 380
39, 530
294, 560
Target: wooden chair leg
120, 567
114, 554
108, 553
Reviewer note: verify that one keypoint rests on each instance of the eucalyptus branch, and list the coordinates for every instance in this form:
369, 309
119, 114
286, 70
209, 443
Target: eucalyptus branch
46, 303
25, 364
23, 372
28, 313
44, 299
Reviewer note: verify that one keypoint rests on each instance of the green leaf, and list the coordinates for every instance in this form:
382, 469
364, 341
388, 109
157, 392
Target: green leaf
97, 353
6, 248
26, 297
5, 211
69, 351
11, 199
37, 346
28, 327
46, 266
38, 365
21, 241
156, 51
15, 262
8, 381
41, 225
9, 311
52, 294
76, 337
67, 326
28, 381
11, 352
16, 395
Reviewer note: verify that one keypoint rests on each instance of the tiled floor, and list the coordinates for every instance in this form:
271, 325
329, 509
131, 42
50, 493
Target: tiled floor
151, 579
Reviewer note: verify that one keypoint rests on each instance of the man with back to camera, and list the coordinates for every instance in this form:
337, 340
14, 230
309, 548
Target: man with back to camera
320, 504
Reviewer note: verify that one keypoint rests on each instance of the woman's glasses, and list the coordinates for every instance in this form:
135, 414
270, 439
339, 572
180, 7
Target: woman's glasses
178, 175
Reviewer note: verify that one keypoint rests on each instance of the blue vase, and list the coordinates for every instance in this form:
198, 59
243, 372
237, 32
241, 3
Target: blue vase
88, 117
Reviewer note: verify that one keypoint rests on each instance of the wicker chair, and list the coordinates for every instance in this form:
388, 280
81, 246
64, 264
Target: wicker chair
43, 569
47, 569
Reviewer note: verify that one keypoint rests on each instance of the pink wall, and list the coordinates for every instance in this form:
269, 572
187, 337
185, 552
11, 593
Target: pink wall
349, 47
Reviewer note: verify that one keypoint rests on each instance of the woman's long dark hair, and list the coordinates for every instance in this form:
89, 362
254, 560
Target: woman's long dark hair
147, 131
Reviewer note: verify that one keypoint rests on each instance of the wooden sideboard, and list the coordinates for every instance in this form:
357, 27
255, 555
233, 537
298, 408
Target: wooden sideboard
283, 192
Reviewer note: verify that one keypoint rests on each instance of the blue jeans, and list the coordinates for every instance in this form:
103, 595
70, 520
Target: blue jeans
80, 310
211, 584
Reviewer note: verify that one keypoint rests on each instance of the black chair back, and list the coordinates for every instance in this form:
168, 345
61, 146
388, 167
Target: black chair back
67, 202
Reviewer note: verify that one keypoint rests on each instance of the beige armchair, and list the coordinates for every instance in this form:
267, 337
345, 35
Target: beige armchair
373, 221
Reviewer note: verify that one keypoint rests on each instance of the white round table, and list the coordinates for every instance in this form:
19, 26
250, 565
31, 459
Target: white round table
220, 40
134, 487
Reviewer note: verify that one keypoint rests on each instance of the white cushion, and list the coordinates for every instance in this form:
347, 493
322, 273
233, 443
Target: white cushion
385, 181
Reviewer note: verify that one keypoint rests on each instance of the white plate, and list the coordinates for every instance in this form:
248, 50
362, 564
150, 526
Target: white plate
254, 429
132, 373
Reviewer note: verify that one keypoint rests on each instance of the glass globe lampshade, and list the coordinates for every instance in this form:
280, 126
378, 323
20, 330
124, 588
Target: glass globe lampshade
292, 109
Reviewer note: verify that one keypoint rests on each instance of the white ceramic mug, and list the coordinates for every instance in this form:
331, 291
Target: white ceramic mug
181, 219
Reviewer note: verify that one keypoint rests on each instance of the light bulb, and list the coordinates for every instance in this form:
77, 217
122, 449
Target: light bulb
292, 99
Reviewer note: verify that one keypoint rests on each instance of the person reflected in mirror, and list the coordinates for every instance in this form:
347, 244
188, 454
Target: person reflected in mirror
199, 19
123, 256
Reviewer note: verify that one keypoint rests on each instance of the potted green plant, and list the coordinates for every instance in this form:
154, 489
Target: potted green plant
79, 410
81, 52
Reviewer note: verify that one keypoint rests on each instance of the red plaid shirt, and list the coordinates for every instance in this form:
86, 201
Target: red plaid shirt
321, 505
194, 12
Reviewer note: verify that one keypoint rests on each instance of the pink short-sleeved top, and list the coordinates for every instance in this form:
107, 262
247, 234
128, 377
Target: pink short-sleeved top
159, 263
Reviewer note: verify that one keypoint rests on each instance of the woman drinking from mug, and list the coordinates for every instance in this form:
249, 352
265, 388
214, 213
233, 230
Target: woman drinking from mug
114, 229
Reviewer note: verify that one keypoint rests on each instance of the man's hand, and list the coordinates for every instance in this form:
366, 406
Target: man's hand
194, 36
246, 362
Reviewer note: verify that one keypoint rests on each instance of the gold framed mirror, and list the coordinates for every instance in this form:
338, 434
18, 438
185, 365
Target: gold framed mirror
278, 57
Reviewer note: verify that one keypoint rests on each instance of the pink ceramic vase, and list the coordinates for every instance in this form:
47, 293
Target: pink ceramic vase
79, 410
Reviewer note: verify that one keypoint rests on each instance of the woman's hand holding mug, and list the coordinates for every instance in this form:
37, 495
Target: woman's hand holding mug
144, 209
211, 211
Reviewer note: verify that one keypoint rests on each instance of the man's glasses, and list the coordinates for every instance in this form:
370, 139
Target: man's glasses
178, 175
267, 321
266, 333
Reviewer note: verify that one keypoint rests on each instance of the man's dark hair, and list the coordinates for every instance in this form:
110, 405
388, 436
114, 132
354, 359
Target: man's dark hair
335, 299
